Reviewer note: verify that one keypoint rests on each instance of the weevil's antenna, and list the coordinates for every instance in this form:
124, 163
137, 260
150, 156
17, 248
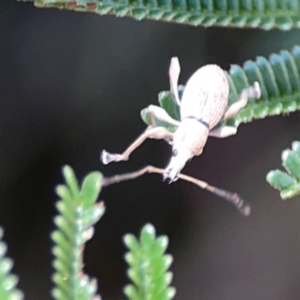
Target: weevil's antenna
243, 207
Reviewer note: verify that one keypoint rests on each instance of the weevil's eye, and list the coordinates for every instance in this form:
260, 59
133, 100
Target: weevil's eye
174, 152
180, 91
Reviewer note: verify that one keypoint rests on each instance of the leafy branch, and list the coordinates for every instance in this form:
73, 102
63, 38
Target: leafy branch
288, 183
148, 266
279, 78
78, 212
8, 281
265, 14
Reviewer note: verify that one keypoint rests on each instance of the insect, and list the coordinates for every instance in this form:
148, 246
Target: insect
203, 105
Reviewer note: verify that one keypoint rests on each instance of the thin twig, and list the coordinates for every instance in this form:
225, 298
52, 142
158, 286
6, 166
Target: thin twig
234, 198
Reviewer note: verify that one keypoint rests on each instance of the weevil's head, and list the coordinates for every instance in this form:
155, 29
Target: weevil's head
189, 140
180, 155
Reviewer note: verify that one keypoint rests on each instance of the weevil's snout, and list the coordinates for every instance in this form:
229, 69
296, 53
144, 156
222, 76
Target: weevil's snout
170, 175
180, 155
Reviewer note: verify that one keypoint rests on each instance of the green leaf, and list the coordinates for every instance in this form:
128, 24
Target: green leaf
148, 265
78, 212
71, 182
290, 192
132, 243
167, 102
131, 292
148, 236
296, 147
291, 161
91, 188
265, 14
279, 79
280, 180
92, 215
287, 184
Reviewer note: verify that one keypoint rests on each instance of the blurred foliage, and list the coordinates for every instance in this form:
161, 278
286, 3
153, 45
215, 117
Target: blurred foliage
288, 183
265, 14
279, 79
148, 266
78, 212
8, 281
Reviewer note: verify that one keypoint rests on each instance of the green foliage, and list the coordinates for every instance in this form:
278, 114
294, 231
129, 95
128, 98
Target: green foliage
288, 183
8, 281
148, 266
266, 14
78, 212
279, 78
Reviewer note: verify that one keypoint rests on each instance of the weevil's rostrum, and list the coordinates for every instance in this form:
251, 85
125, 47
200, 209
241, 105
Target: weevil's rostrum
203, 105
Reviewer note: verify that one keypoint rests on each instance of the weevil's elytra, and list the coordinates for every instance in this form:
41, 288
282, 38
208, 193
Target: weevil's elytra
206, 96
203, 105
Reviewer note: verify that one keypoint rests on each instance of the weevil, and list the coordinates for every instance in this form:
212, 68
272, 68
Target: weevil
203, 105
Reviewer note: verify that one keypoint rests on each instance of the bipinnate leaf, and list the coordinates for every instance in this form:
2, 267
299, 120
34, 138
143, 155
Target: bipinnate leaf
288, 183
148, 266
8, 281
279, 79
265, 14
78, 212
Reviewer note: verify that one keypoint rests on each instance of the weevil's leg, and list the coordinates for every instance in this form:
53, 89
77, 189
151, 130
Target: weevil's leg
223, 132
152, 133
159, 113
174, 72
251, 92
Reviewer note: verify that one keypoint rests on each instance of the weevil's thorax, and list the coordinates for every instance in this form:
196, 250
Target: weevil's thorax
188, 141
206, 96
191, 135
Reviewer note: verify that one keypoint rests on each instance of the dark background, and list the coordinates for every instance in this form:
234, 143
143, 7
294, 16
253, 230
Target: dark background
72, 84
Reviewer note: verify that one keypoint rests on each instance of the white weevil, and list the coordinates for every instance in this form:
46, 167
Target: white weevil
203, 105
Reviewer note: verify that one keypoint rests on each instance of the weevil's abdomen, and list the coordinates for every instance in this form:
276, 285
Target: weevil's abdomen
205, 96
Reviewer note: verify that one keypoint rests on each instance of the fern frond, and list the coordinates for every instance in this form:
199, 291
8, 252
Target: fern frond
148, 266
287, 183
8, 281
279, 78
78, 212
265, 14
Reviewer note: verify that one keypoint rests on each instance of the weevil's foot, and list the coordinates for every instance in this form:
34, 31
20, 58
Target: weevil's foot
169, 141
245, 210
170, 175
107, 157
256, 90
243, 207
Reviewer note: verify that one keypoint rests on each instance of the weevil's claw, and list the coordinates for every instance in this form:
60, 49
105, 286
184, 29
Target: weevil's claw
104, 157
256, 90
107, 157
245, 210
170, 176
167, 180
243, 207
169, 141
